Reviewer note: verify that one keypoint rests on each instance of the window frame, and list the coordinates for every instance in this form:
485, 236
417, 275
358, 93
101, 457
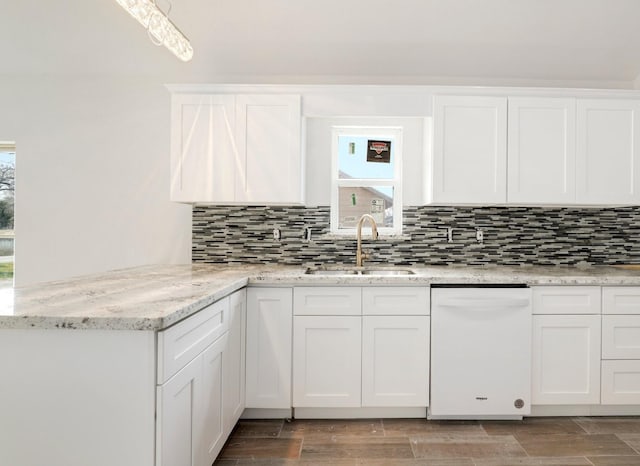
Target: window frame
393, 133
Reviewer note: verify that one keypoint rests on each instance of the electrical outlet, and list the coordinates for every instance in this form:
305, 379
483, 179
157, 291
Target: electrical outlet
276, 234
479, 236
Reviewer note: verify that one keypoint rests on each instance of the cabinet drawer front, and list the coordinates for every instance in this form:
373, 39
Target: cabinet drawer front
327, 301
566, 300
620, 382
620, 337
179, 344
395, 300
621, 300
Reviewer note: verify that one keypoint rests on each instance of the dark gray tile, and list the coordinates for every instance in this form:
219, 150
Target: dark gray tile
332, 427
610, 425
615, 460
465, 446
568, 461
261, 448
534, 425
318, 448
418, 427
258, 428
633, 440
573, 445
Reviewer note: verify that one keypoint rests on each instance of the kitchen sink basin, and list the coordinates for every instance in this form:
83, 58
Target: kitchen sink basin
331, 272
390, 272
387, 272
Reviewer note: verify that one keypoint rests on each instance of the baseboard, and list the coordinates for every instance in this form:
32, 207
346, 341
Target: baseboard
585, 410
262, 413
359, 413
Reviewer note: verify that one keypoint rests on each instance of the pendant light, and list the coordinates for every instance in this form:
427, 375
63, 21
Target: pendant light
160, 29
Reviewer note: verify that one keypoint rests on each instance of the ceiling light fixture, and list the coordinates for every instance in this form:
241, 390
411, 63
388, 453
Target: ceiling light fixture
161, 30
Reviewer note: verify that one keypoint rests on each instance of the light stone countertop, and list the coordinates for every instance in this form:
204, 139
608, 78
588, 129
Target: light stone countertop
155, 297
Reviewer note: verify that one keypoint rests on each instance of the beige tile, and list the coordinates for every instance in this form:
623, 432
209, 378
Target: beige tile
281, 462
418, 427
223, 462
610, 425
332, 427
615, 460
533, 425
465, 446
353, 447
258, 428
261, 448
633, 440
573, 445
418, 462
568, 461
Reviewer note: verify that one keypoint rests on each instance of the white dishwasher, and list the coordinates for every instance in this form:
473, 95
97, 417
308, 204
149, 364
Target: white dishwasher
480, 352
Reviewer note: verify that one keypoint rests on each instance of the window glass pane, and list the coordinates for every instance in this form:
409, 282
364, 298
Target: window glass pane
365, 157
353, 202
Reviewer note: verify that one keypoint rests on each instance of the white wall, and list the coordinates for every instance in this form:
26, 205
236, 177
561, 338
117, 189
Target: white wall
92, 176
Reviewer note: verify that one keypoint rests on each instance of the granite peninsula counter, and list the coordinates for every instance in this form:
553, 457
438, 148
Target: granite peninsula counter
156, 297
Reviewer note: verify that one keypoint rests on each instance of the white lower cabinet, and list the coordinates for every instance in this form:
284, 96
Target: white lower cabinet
234, 367
566, 359
621, 345
269, 339
359, 357
326, 361
198, 407
395, 361
621, 382
190, 426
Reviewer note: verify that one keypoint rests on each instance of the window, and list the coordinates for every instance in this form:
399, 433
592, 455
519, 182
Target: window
366, 178
7, 184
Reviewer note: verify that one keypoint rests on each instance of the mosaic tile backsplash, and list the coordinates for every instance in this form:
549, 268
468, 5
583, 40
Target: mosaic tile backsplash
512, 236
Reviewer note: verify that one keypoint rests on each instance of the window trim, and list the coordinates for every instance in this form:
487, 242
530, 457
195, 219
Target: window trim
378, 132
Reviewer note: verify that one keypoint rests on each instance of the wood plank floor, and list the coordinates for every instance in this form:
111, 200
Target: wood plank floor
576, 441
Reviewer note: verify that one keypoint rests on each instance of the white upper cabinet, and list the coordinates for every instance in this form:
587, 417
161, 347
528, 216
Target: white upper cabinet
269, 147
608, 154
469, 150
541, 150
202, 168
236, 149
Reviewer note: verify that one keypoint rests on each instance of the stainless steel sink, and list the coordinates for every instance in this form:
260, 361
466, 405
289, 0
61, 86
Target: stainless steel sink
331, 272
389, 272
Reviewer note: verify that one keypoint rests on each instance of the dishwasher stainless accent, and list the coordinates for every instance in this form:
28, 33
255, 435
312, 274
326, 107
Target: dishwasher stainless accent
480, 352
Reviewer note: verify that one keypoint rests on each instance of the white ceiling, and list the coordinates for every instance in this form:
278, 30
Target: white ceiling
575, 43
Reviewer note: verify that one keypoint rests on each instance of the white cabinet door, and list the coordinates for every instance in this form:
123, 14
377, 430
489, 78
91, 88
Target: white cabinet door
269, 149
177, 417
608, 152
566, 359
210, 436
326, 361
234, 362
541, 150
269, 327
395, 361
202, 155
621, 382
470, 150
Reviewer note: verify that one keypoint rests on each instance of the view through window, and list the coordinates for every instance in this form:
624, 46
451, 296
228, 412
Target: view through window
366, 178
7, 192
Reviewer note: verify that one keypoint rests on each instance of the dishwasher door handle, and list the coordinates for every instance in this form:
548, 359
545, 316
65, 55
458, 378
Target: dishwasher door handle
483, 304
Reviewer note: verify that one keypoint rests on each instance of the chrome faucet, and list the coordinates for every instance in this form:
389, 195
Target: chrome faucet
374, 234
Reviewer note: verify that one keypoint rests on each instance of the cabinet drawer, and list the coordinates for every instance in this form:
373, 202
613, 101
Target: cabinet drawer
620, 337
566, 300
181, 343
327, 301
620, 382
395, 300
621, 300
